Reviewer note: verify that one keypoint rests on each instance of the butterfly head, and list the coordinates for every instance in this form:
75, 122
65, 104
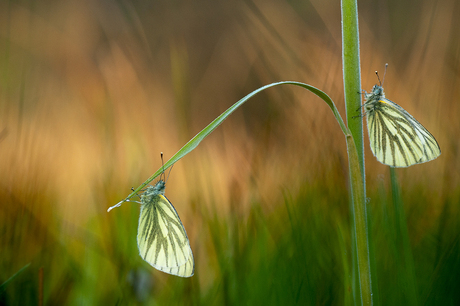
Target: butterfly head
373, 97
377, 90
152, 191
159, 187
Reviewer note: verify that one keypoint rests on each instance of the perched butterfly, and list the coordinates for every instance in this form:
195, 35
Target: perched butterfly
396, 138
161, 237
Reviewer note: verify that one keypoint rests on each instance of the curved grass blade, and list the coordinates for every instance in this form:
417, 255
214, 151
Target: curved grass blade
193, 143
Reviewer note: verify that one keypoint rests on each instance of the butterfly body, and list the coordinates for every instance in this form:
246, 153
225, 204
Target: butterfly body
161, 237
396, 138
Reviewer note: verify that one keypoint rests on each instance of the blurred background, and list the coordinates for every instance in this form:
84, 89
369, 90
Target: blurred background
92, 91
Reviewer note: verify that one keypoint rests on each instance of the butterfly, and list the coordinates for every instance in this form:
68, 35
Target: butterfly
396, 138
161, 237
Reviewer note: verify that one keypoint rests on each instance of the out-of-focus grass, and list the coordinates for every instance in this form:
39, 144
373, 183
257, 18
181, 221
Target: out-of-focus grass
90, 93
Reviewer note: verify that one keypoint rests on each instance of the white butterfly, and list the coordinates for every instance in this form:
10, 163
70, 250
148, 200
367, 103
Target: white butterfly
161, 237
396, 138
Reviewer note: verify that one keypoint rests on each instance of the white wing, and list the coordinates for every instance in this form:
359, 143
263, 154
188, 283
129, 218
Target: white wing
161, 237
396, 138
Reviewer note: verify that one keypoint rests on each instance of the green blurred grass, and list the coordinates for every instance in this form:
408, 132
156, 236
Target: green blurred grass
91, 93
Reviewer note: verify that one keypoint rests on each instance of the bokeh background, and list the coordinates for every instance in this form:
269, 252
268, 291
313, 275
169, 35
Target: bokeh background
92, 91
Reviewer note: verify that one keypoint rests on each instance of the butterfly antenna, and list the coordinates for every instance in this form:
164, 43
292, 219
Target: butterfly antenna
169, 173
377, 73
384, 74
162, 165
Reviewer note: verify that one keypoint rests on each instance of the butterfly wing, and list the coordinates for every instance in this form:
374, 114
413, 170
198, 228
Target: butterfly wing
162, 239
396, 138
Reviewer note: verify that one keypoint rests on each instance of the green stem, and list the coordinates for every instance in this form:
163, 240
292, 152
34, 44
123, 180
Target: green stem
361, 242
352, 87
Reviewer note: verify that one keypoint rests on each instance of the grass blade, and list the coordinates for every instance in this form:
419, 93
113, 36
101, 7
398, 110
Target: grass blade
195, 141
